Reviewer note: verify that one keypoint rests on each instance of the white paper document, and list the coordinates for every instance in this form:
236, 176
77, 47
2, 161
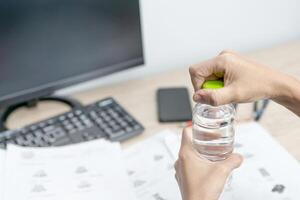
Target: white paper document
268, 171
150, 167
92, 170
100, 170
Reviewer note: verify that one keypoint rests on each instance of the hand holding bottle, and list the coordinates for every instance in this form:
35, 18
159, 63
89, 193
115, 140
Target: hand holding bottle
244, 81
199, 178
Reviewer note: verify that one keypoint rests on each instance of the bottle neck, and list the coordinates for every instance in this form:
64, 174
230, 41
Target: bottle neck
213, 116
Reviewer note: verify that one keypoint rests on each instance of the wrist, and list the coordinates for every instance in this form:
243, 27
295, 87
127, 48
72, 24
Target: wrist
285, 90
279, 85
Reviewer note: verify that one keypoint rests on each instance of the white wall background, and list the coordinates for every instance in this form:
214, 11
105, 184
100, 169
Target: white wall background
177, 33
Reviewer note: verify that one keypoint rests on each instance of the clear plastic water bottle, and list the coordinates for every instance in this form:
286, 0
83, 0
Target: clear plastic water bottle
213, 127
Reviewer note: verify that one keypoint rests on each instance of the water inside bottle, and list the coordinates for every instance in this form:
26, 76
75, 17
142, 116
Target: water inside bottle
213, 131
213, 144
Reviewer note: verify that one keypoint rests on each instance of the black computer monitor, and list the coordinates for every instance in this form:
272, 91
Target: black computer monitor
46, 45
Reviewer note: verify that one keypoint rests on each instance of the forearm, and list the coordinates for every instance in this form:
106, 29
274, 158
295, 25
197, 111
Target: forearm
288, 93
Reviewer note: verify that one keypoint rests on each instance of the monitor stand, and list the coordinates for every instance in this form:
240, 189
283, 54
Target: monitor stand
5, 113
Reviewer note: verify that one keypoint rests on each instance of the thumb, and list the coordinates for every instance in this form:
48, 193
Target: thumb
186, 140
215, 97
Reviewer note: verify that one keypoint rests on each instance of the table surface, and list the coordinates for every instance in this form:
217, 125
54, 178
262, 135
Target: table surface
138, 97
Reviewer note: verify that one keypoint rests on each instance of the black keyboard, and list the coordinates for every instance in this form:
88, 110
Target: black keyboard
103, 119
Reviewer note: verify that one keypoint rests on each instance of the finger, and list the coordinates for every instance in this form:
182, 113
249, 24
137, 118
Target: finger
198, 82
215, 97
186, 140
233, 161
234, 53
207, 70
228, 51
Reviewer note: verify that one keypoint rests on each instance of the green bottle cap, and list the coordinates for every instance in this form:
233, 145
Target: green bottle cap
213, 84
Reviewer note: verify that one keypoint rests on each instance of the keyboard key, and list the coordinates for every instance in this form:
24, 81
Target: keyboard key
42, 124
23, 131
136, 127
66, 122
52, 140
112, 123
118, 133
74, 120
70, 115
93, 114
72, 131
78, 124
87, 121
108, 130
78, 112
105, 103
83, 117
62, 118
50, 121
104, 124
40, 141
37, 133
33, 128
99, 121
19, 140
69, 126
48, 128
107, 118
29, 137
25, 143
59, 133
123, 124
128, 129
114, 115
75, 138
128, 118
116, 128
62, 141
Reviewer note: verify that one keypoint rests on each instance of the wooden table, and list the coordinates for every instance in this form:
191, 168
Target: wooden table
138, 97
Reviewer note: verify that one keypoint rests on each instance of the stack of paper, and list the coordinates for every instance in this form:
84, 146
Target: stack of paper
150, 167
92, 170
101, 170
268, 171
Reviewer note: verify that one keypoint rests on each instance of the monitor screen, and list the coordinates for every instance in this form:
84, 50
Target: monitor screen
49, 44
